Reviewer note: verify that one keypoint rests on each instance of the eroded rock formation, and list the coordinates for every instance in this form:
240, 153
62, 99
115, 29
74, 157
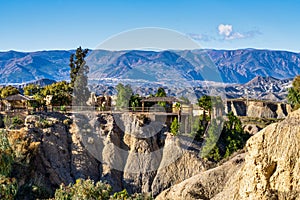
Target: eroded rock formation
258, 109
125, 150
270, 171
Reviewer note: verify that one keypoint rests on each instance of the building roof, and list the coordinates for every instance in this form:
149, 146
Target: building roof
159, 99
18, 97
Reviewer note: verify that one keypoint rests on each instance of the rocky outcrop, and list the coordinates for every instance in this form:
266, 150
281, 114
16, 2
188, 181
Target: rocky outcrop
126, 150
270, 171
252, 129
258, 109
272, 166
239, 108
61, 157
178, 163
206, 184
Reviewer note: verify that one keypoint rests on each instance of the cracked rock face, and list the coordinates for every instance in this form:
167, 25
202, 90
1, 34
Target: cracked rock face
272, 166
112, 151
61, 158
271, 169
204, 185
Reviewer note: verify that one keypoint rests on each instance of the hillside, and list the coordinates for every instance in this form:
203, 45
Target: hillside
234, 66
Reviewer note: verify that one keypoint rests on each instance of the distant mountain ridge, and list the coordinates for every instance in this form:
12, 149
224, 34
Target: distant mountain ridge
19, 67
234, 66
261, 88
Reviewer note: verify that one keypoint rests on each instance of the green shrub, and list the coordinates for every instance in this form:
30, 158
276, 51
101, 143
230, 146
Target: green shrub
293, 96
43, 123
7, 122
63, 108
121, 195
8, 187
83, 189
6, 155
87, 189
12, 123
175, 127
16, 120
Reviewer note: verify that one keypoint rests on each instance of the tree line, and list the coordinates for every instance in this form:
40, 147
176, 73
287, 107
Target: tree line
63, 93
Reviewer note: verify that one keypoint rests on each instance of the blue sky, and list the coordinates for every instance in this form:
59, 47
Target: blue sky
33, 25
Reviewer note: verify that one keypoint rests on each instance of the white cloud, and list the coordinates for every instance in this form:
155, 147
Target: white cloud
225, 29
235, 35
200, 37
226, 32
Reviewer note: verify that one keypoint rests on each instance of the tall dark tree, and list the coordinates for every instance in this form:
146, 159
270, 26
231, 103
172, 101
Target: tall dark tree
205, 102
79, 79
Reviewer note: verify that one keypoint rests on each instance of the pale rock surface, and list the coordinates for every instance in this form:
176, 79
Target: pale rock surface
61, 158
178, 163
271, 169
272, 166
205, 184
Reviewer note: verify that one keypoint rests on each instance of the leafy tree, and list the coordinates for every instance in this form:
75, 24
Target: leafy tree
60, 92
76, 63
175, 127
205, 102
79, 80
210, 149
39, 100
8, 91
161, 93
135, 101
296, 83
234, 135
294, 93
231, 139
31, 89
124, 95
199, 128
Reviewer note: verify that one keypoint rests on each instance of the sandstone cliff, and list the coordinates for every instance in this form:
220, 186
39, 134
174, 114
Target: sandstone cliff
258, 109
204, 185
270, 171
127, 151
61, 157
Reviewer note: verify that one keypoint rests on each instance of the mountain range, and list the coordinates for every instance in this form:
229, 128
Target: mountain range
228, 66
